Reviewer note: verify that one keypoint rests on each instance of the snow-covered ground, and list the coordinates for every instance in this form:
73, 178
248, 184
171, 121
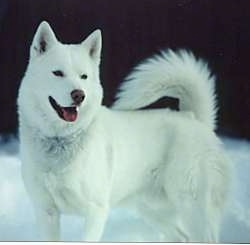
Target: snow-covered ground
17, 221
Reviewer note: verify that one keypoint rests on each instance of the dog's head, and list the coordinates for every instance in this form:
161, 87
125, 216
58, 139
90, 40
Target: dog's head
61, 90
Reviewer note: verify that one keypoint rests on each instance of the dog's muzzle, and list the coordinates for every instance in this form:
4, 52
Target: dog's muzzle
68, 114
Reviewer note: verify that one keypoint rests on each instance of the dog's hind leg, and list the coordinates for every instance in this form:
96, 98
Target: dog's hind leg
177, 222
163, 223
196, 198
187, 194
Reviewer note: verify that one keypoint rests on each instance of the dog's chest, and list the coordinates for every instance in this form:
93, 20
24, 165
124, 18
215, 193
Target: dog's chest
64, 172
77, 185
72, 173
67, 191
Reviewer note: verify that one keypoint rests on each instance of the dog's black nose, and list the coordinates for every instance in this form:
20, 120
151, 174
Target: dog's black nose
78, 96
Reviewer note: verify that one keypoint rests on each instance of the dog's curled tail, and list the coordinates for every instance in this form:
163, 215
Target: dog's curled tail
178, 75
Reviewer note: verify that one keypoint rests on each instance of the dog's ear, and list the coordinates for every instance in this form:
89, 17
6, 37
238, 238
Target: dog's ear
93, 44
43, 40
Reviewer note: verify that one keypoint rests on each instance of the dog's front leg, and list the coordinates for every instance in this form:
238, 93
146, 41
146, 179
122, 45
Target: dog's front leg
94, 222
48, 221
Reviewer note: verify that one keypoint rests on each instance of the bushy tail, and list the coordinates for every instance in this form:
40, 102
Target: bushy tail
172, 74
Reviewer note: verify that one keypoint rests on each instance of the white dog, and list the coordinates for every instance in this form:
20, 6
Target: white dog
79, 157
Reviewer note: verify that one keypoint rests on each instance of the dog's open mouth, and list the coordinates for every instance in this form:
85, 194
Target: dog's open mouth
68, 114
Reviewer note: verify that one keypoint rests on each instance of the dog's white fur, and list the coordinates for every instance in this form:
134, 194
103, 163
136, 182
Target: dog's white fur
169, 165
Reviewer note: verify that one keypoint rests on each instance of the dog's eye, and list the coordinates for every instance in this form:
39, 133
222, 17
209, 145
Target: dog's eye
58, 73
84, 76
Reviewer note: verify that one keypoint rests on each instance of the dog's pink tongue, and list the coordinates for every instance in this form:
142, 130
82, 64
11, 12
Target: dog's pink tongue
69, 116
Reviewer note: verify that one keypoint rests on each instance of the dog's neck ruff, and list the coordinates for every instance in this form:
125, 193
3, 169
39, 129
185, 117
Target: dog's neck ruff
59, 150
59, 144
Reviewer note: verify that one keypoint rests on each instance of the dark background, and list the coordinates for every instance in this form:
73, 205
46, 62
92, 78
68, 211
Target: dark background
216, 30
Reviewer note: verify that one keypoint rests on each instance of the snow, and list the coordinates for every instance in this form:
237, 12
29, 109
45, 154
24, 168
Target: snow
17, 220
